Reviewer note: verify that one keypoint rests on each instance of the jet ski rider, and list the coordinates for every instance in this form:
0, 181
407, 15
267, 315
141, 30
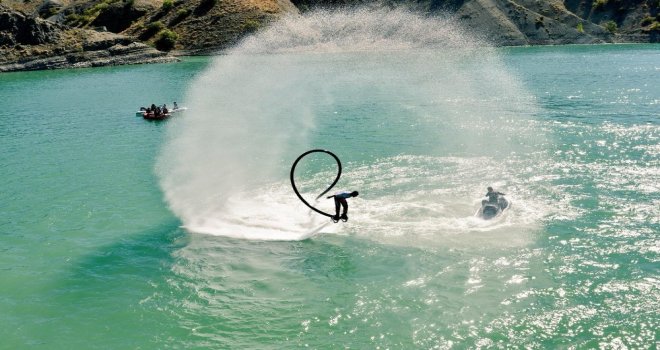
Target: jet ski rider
493, 197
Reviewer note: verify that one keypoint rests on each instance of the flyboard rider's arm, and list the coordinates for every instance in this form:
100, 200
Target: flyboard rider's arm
329, 197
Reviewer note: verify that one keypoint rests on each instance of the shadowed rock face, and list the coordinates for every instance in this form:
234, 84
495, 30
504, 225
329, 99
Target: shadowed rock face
119, 16
50, 7
17, 28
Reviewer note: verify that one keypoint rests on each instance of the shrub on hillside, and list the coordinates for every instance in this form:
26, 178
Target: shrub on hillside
151, 30
166, 40
251, 25
167, 5
655, 26
180, 15
76, 20
610, 26
648, 20
598, 4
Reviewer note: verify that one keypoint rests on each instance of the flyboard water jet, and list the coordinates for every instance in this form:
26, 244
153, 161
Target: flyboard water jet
295, 189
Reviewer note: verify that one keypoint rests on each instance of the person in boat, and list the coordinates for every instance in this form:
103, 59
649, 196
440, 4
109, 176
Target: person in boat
493, 196
153, 107
340, 201
165, 109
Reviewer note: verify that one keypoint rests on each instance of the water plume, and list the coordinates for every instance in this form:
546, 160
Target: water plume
368, 85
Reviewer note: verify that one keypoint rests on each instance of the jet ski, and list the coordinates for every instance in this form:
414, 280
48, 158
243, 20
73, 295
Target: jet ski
490, 210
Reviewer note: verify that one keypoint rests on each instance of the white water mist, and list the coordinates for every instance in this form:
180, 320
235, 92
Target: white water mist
365, 83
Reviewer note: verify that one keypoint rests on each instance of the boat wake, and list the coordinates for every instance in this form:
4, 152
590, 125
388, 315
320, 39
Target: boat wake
412, 209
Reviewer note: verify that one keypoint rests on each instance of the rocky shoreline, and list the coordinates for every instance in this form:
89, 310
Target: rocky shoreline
117, 54
32, 43
54, 34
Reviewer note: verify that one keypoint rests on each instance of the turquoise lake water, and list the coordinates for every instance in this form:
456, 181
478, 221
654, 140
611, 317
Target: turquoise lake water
120, 233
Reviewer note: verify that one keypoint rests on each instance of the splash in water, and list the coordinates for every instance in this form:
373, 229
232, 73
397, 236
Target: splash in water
373, 86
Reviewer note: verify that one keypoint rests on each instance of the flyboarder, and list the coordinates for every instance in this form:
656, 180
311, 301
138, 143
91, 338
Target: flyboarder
340, 201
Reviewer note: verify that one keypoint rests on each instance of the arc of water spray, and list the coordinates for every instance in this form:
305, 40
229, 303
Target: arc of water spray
293, 183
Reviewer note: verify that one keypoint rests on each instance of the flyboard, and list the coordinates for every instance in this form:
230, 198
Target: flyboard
295, 189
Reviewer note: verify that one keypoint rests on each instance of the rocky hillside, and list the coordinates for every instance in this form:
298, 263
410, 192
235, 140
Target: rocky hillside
31, 43
53, 34
44, 34
194, 26
539, 22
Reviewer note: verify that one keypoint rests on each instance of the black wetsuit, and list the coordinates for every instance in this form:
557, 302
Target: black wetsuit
340, 201
493, 196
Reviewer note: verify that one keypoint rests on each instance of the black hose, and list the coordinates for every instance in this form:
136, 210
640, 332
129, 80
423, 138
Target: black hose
293, 183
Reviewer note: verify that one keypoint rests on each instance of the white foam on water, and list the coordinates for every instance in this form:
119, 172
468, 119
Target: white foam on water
272, 214
435, 201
